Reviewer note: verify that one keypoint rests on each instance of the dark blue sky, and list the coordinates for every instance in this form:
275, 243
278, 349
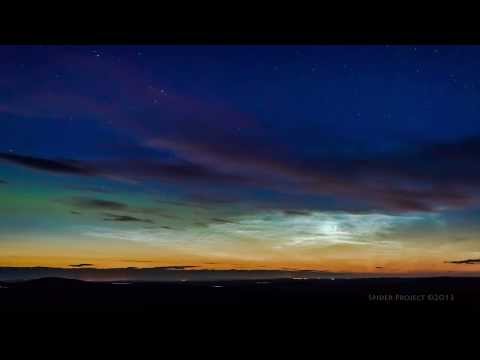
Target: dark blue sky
374, 97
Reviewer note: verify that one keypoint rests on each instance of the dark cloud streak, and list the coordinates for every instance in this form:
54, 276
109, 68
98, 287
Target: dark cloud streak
222, 221
80, 265
297, 212
55, 166
467, 261
125, 218
95, 204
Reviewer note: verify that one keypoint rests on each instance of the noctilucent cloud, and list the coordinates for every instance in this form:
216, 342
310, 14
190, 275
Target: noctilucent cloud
355, 159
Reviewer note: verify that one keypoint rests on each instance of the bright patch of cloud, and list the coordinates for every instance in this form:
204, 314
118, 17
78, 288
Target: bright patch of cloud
319, 228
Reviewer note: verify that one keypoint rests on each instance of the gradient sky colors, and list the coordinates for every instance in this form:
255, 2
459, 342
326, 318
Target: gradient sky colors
358, 159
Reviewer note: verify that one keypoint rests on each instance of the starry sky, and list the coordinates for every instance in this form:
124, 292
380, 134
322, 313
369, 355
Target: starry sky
358, 159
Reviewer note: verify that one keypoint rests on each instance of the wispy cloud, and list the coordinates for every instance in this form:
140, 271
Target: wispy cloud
56, 166
467, 261
100, 190
222, 221
125, 218
317, 228
297, 212
155, 236
97, 204
80, 265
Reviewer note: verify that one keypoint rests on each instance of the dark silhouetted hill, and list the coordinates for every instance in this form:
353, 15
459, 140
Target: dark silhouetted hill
60, 294
49, 283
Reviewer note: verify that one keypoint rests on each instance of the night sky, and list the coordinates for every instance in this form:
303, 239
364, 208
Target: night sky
351, 159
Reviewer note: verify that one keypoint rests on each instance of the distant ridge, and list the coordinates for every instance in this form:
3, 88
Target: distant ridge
166, 273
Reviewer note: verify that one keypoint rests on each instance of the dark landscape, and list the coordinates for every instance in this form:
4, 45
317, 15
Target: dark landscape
60, 294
